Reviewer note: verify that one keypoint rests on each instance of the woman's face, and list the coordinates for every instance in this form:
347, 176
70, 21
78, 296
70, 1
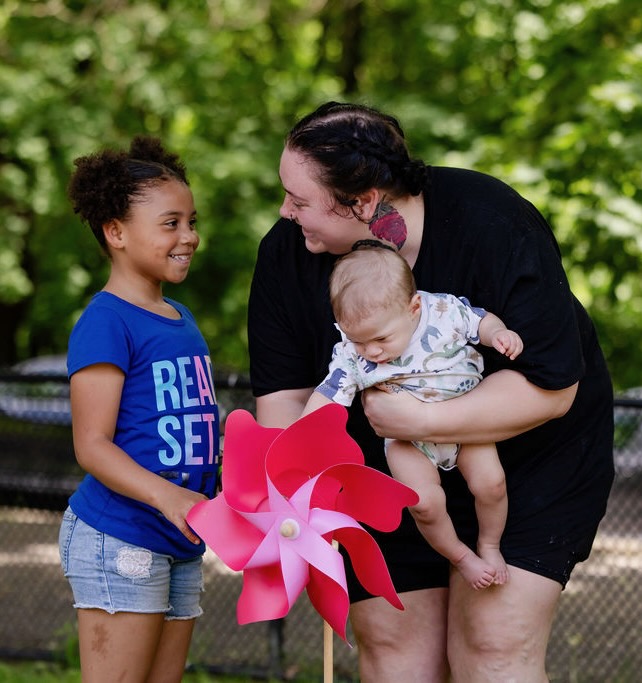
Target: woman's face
326, 225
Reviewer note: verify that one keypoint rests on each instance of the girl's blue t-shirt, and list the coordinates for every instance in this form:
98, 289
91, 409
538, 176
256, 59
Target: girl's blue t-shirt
168, 418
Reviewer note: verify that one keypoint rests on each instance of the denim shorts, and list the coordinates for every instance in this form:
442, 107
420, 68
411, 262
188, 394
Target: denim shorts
108, 574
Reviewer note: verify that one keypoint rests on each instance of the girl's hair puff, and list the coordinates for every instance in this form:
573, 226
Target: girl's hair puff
106, 183
357, 148
370, 279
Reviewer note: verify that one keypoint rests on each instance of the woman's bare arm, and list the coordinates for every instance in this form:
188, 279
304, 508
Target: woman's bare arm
501, 406
281, 408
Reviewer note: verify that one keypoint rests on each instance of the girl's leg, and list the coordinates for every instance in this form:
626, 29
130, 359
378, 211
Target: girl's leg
132, 648
186, 585
117, 647
484, 474
411, 467
500, 635
171, 655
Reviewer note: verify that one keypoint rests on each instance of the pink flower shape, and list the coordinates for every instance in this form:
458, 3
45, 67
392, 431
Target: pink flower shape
287, 494
390, 226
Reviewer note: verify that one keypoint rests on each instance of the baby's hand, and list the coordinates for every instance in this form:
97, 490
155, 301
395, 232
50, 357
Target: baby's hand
388, 387
508, 343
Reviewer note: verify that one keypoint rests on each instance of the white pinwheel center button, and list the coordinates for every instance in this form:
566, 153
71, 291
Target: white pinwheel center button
289, 528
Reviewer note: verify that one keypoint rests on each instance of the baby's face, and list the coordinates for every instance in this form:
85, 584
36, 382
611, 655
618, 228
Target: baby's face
385, 334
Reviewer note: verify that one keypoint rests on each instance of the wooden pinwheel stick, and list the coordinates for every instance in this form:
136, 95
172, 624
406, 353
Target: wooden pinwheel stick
328, 640
328, 663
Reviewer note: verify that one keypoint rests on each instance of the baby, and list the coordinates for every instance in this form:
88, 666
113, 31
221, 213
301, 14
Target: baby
399, 339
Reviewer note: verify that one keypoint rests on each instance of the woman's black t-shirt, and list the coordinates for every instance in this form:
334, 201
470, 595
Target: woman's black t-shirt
483, 241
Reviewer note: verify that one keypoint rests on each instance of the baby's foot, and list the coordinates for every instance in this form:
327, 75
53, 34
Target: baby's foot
493, 556
479, 573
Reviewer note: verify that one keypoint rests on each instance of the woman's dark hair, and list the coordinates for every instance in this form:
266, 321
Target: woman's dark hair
105, 184
357, 148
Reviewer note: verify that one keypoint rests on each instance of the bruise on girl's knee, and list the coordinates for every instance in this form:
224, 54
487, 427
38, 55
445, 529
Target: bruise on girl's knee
134, 563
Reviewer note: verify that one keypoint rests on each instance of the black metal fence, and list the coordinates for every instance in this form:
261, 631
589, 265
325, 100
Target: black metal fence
597, 637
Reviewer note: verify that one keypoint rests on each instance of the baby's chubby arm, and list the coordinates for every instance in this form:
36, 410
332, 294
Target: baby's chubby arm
317, 400
493, 332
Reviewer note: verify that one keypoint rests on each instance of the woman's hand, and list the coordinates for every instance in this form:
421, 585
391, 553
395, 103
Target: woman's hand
395, 414
501, 406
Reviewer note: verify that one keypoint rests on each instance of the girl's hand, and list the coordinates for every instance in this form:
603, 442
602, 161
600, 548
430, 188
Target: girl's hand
176, 503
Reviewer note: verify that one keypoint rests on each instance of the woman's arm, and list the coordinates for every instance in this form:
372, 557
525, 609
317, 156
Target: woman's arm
503, 405
282, 408
95, 398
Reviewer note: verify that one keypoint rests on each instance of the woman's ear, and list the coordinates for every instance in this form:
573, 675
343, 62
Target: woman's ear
367, 203
113, 231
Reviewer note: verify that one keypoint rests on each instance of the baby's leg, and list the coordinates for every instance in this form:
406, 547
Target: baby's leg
484, 474
411, 467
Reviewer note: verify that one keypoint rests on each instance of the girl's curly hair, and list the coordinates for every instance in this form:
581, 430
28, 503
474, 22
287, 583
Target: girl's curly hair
105, 184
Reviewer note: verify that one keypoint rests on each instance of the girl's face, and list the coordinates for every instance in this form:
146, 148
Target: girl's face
326, 225
159, 238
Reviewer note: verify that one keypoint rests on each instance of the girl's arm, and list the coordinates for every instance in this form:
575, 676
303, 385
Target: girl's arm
95, 399
503, 405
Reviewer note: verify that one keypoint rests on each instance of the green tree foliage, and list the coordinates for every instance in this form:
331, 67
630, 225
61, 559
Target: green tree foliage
544, 94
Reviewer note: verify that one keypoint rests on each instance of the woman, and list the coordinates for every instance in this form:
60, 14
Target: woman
347, 176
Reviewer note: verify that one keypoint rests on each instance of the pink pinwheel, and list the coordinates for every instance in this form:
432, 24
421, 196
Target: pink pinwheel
287, 494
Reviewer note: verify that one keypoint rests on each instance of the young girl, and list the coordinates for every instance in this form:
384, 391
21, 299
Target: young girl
396, 338
145, 423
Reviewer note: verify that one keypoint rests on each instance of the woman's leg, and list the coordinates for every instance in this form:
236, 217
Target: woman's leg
500, 635
117, 647
408, 646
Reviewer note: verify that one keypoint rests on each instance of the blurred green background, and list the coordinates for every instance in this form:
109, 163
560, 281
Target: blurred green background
546, 95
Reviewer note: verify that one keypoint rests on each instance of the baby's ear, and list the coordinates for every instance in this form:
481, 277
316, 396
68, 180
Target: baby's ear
415, 304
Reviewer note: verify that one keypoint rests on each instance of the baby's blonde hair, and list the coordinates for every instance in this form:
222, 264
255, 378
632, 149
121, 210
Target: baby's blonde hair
370, 279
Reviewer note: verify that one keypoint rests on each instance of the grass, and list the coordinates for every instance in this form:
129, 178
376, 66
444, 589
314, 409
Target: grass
47, 672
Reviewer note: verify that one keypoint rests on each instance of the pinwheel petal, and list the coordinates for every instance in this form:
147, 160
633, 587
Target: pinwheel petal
245, 446
295, 571
331, 601
368, 495
368, 564
318, 552
365, 555
270, 591
227, 533
309, 446
267, 553
263, 596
